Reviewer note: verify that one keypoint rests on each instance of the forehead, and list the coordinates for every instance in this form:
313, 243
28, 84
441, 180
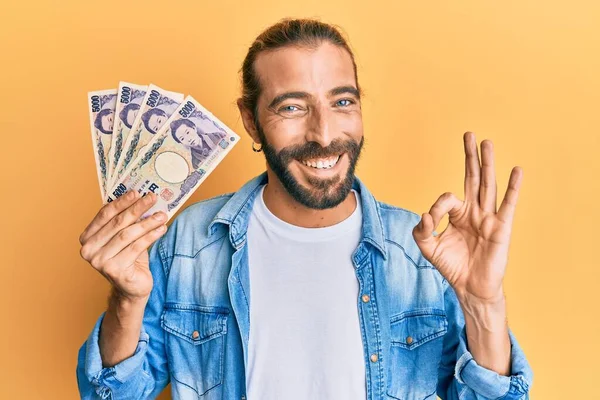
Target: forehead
293, 68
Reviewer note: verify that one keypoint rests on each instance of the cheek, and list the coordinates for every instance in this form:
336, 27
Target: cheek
281, 132
350, 123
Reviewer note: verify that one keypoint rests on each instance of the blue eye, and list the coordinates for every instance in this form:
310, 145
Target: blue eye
288, 108
349, 102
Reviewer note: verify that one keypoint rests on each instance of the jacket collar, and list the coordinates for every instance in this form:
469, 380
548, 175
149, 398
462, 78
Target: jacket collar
236, 213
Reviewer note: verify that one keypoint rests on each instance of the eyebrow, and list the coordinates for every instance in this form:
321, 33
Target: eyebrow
305, 95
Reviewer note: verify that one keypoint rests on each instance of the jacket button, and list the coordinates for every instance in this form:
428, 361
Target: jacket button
409, 340
195, 335
374, 357
365, 298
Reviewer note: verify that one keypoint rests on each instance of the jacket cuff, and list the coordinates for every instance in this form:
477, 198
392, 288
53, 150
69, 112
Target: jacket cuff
489, 383
111, 378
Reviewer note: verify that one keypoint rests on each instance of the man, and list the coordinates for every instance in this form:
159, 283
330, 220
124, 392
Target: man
301, 285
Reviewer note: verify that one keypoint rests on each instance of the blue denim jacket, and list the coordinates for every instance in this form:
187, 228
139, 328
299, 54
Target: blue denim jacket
196, 323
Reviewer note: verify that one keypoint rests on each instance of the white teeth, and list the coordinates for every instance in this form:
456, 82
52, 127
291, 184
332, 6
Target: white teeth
322, 163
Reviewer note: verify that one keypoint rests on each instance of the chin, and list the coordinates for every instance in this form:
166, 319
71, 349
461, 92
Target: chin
318, 192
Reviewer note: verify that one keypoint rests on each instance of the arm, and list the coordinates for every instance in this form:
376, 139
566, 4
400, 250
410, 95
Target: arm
125, 355
120, 328
460, 376
487, 332
472, 255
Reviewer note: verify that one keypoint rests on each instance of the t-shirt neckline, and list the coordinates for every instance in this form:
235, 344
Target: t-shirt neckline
299, 233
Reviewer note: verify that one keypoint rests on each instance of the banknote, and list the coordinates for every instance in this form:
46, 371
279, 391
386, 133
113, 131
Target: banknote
101, 105
180, 156
157, 106
129, 101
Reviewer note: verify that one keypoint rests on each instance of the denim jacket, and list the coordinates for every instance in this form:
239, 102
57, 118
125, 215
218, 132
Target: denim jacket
196, 323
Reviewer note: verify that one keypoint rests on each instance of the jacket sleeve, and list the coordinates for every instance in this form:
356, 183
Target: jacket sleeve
144, 374
459, 375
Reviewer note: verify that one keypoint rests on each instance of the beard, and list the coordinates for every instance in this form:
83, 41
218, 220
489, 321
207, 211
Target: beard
324, 192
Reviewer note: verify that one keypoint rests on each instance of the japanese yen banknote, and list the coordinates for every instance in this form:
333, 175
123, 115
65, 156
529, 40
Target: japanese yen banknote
102, 116
129, 102
168, 145
157, 106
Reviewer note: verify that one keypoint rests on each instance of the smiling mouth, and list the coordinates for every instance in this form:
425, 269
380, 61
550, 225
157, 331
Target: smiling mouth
322, 163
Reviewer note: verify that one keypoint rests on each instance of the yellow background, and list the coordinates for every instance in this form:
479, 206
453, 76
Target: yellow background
523, 74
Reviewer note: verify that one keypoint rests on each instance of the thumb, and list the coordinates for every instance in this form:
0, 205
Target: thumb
424, 234
424, 229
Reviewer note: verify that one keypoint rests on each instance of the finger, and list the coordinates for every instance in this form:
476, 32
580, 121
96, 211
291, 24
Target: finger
128, 235
447, 203
472, 168
487, 190
509, 203
106, 213
423, 235
130, 253
424, 229
120, 221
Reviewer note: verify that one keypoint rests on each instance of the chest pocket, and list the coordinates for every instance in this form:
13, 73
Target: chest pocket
195, 343
415, 354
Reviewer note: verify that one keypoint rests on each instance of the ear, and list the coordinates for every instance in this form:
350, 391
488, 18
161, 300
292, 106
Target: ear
248, 120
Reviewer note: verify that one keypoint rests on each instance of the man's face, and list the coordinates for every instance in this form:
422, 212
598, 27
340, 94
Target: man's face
310, 121
187, 136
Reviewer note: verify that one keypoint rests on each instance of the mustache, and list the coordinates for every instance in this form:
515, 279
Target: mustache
315, 150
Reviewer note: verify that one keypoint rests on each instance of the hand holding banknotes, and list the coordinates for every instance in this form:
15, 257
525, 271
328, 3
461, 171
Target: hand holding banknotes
115, 244
148, 139
153, 148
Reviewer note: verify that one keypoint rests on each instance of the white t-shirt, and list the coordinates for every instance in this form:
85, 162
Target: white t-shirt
305, 340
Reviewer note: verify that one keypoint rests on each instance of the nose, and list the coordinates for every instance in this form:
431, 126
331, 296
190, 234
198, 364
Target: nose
318, 129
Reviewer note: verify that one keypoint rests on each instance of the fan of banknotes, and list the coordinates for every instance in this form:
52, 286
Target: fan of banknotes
152, 140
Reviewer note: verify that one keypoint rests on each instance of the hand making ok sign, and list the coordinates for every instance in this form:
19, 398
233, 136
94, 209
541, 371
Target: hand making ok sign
472, 252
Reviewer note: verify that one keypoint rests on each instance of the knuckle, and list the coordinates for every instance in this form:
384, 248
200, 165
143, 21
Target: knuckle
111, 272
119, 219
103, 213
96, 262
84, 252
141, 205
150, 223
124, 235
139, 245
448, 195
135, 247
137, 208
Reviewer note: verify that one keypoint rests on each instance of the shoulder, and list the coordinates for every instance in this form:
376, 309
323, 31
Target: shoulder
397, 221
398, 224
188, 233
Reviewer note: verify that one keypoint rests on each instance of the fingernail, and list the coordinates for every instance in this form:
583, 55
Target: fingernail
159, 216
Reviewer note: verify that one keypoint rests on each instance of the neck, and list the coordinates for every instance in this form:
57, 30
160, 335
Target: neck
286, 208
